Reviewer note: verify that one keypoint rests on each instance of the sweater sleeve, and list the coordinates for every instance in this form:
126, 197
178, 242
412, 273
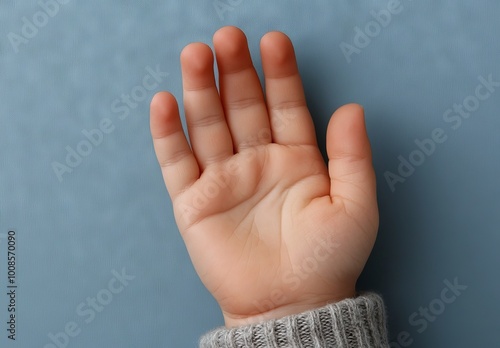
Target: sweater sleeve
350, 323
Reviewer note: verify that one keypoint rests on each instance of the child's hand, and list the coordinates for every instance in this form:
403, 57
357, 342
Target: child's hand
270, 229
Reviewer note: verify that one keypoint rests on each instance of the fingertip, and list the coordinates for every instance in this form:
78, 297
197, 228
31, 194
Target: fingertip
159, 99
346, 133
221, 35
275, 36
163, 109
348, 115
353, 109
278, 55
196, 58
231, 50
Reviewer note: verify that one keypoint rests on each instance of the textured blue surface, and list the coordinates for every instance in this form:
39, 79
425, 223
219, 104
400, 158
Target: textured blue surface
113, 212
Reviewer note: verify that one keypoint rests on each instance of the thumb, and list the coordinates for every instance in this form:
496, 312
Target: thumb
349, 157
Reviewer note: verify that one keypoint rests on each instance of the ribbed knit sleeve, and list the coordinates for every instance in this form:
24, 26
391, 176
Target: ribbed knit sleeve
350, 323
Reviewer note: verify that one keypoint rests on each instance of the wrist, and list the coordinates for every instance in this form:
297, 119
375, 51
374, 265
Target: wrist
355, 322
315, 302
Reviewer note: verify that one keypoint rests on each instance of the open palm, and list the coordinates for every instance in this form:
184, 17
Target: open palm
271, 230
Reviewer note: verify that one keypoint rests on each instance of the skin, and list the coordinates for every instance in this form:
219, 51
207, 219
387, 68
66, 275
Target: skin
271, 230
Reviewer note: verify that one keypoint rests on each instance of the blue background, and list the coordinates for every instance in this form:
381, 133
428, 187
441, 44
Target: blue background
113, 211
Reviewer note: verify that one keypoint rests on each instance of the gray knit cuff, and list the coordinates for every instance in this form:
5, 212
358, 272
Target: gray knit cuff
350, 323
